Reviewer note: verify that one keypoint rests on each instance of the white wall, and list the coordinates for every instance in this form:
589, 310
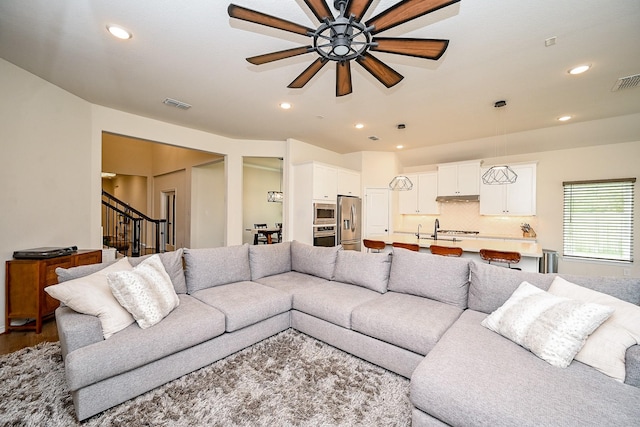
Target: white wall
208, 217
44, 168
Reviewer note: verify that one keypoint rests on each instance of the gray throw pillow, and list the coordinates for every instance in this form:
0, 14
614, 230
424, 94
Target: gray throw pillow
268, 260
65, 274
315, 260
216, 266
369, 270
444, 279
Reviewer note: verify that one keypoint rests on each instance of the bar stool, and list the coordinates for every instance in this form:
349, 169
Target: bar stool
506, 257
411, 246
373, 245
445, 250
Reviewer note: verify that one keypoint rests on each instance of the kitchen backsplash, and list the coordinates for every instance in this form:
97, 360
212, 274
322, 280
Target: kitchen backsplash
466, 216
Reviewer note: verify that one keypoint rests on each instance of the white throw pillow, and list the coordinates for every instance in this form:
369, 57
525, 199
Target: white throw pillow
91, 295
146, 291
552, 327
606, 348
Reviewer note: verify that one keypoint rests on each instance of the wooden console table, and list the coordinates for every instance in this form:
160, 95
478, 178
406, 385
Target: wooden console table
25, 283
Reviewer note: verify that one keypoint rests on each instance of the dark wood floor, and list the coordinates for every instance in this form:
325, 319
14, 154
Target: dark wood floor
15, 340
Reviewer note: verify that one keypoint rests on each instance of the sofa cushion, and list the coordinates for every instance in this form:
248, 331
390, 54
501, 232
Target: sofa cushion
172, 262
245, 303
191, 323
146, 291
624, 288
314, 260
606, 348
474, 376
332, 301
553, 328
369, 270
444, 279
407, 321
291, 281
91, 295
492, 285
216, 266
267, 260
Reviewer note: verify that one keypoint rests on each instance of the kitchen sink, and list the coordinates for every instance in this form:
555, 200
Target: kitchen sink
446, 239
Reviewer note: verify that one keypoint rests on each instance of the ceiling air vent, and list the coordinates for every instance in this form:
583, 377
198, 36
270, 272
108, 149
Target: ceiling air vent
626, 83
175, 103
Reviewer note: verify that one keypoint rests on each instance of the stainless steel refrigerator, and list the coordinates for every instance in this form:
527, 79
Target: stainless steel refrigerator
349, 222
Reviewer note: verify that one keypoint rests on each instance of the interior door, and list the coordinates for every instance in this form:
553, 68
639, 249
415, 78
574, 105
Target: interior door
376, 211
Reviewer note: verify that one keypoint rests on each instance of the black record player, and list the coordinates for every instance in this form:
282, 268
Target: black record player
44, 253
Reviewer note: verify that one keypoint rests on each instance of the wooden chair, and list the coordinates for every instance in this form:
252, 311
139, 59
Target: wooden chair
411, 246
445, 250
279, 227
373, 245
258, 237
506, 257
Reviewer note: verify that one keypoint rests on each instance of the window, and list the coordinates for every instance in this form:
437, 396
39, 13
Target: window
598, 219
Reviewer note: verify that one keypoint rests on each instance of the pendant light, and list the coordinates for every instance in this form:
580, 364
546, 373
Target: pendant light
400, 183
499, 175
276, 196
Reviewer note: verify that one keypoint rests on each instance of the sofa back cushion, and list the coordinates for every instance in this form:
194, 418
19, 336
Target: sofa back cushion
369, 270
444, 279
216, 266
268, 260
492, 285
315, 260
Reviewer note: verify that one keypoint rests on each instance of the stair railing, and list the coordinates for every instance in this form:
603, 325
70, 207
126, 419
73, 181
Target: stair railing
129, 230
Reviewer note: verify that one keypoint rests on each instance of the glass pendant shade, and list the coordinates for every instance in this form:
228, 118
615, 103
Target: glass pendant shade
400, 183
499, 175
274, 196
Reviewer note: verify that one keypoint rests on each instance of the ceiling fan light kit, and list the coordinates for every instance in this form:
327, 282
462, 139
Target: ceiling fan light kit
345, 38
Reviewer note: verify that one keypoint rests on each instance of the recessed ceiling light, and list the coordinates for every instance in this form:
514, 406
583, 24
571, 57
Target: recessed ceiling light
564, 118
359, 125
285, 105
399, 147
579, 69
119, 32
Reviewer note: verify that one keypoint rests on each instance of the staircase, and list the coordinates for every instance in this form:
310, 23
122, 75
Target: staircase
130, 231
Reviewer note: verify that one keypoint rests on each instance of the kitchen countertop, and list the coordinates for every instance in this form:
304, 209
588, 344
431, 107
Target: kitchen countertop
526, 249
473, 236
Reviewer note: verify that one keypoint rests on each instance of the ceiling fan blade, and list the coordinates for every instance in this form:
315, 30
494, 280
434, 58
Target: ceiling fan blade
249, 15
343, 78
319, 8
274, 56
422, 48
307, 74
381, 71
405, 11
358, 8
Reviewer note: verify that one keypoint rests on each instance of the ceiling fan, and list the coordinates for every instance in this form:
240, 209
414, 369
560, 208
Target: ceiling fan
345, 38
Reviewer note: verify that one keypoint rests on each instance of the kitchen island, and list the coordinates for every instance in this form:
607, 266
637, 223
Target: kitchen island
530, 252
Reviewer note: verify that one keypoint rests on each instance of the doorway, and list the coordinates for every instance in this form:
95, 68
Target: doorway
168, 210
377, 211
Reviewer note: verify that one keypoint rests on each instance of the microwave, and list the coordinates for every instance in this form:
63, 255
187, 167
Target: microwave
324, 213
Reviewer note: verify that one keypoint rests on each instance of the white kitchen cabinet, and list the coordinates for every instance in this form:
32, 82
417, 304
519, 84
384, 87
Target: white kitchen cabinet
421, 199
459, 179
517, 199
325, 182
348, 183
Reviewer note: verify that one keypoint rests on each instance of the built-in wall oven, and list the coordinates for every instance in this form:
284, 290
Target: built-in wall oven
324, 235
324, 213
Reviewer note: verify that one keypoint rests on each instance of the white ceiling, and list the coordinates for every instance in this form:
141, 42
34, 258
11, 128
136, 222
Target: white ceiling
193, 52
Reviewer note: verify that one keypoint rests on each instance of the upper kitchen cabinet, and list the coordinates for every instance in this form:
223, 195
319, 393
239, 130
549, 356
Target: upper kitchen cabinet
421, 199
517, 199
348, 183
459, 179
325, 182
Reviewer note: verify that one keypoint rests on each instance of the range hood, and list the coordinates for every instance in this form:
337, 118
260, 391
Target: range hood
468, 198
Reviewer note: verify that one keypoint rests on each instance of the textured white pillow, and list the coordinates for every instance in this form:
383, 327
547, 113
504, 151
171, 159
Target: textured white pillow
606, 348
552, 327
146, 291
91, 295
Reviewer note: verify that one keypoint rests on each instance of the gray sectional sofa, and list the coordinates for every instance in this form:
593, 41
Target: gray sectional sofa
415, 314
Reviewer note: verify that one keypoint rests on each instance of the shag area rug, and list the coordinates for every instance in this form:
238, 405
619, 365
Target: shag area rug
289, 379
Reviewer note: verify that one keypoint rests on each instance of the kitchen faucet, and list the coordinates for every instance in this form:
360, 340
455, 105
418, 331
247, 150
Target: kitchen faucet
435, 229
418, 233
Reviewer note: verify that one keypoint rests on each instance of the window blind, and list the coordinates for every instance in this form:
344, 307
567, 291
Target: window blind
598, 219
